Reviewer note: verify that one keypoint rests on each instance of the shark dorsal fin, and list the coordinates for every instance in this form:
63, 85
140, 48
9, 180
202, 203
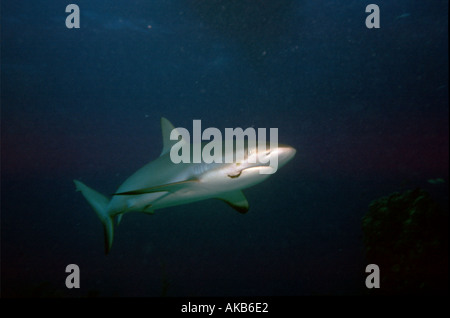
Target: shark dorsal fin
166, 129
235, 199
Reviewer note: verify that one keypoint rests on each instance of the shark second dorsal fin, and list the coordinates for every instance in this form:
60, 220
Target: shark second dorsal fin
166, 129
235, 199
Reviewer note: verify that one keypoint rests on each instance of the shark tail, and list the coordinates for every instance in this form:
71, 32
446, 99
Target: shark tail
100, 204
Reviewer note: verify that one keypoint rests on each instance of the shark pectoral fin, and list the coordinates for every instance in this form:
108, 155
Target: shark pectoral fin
169, 187
235, 199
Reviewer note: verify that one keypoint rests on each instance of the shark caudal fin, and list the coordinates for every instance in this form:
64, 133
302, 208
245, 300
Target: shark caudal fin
99, 203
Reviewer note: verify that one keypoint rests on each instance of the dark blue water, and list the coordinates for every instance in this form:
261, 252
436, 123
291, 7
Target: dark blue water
366, 109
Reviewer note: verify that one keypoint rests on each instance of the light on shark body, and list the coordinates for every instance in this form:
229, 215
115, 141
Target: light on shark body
162, 183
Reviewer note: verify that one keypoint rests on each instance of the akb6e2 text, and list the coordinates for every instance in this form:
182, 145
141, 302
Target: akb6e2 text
244, 307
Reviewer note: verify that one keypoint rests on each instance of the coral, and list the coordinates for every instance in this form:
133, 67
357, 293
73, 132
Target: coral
406, 235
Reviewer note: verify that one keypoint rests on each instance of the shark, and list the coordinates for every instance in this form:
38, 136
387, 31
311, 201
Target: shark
162, 183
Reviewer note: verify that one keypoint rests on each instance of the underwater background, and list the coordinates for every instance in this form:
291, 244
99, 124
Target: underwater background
366, 109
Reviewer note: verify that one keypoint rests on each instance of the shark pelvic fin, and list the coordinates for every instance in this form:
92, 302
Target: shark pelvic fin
169, 187
235, 199
166, 129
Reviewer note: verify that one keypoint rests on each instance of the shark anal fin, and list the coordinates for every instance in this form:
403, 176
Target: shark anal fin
235, 199
169, 187
148, 209
119, 218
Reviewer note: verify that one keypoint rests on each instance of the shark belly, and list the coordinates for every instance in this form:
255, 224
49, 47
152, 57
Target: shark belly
188, 195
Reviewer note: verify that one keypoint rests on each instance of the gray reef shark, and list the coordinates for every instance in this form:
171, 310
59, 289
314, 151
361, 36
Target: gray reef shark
162, 183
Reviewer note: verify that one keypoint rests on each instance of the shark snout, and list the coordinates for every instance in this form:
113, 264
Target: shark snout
285, 154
